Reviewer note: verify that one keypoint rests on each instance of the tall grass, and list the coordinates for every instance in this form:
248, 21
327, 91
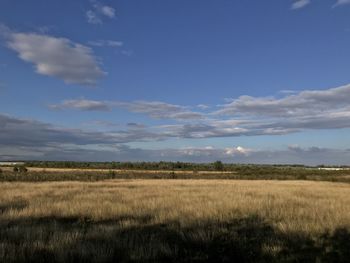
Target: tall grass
175, 221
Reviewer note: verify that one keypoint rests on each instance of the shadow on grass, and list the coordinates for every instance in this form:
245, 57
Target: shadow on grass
14, 205
136, 239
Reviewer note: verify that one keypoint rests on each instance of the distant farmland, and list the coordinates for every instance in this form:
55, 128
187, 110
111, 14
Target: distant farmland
63, 171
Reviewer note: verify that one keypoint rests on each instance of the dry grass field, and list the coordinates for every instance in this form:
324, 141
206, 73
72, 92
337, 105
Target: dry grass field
175, 221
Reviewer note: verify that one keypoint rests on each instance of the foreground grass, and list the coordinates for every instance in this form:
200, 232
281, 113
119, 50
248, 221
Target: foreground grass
175, 221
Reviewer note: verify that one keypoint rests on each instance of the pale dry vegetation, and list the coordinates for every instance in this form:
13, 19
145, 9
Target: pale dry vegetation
175, 220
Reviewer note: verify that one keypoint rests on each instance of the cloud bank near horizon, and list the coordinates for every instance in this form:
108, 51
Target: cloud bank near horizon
243, 116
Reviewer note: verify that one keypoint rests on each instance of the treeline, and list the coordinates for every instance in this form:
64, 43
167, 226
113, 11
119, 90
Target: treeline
186, 166
168, 170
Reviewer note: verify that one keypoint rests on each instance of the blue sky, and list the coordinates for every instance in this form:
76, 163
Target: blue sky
239, 81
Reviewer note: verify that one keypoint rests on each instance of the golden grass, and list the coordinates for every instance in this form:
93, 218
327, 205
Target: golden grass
288, 207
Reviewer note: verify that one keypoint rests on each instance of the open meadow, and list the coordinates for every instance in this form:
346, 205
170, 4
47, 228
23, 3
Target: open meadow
175, 221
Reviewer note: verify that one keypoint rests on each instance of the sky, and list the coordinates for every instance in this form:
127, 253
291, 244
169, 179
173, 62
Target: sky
175, 80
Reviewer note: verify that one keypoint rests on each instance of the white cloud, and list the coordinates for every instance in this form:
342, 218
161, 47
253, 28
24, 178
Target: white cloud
302, 104
244, 116
341, 2
93, 18
153, 109
106, 43
57, 57
239, 150
107, 11
202, 106
127, 53
82, 104
300, 4
32, 139
98, 11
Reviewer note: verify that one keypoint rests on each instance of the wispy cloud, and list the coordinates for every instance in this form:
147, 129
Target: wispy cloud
249, 116
82, 104
98, 11
31, 139
341, 2
127, 53
23, 138
300, 4
302, 104
93, 18
202, 106
17, 132
153, 109
309, 109
106, 43
56, 57
107, 11
159, 110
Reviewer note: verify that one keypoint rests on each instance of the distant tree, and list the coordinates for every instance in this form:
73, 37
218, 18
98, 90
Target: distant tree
218, 166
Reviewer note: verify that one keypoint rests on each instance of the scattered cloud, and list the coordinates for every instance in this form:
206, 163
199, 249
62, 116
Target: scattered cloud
57, 57
159, 110
107, 11
98, 11
341, 2
31, 139
18, 132
134, 125
244, 116
310, 109
127, 53
202, 106
300, 4
106, 43
82, 104
153, 109
45, 29
92, 17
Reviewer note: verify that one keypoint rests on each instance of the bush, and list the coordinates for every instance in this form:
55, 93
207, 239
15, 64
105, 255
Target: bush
20, 169
218, 166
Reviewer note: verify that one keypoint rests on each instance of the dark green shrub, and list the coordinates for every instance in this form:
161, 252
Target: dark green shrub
20, 169
218, 166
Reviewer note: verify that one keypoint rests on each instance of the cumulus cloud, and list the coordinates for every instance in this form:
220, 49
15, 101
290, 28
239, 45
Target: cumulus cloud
57, 57
239, 150
300, 4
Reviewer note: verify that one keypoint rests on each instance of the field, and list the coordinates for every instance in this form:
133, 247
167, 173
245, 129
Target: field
47, 171
175, 221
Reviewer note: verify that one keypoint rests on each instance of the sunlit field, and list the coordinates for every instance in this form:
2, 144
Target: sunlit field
175, 221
